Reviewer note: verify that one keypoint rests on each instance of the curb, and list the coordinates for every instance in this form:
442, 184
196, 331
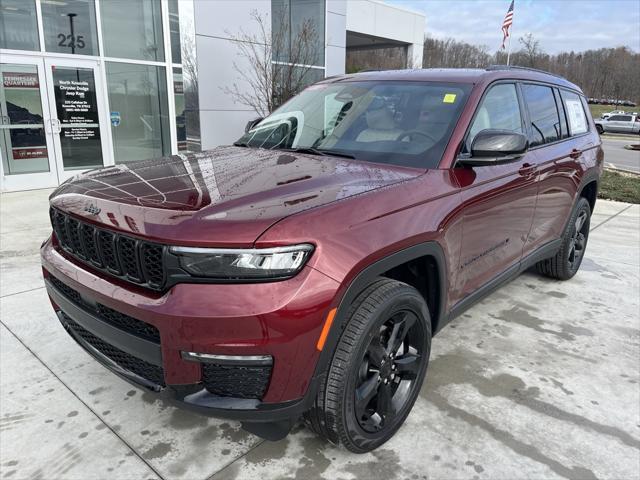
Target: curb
613, 168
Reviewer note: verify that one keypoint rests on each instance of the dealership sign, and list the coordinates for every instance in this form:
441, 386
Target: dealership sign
20, 80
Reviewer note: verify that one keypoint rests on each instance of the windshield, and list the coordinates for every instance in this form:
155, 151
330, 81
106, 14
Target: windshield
401, 123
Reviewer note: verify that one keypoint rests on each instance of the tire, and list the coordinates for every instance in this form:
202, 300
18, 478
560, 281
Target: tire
599, 129
566, 262
386, 315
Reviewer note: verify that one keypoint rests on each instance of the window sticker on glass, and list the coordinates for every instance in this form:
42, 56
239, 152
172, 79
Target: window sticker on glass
449, 98
577, 120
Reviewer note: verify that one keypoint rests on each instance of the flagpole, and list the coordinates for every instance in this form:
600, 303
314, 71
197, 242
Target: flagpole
510, 34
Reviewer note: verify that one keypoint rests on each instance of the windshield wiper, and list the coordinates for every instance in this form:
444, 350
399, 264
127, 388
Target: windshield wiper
316, 151
240, 144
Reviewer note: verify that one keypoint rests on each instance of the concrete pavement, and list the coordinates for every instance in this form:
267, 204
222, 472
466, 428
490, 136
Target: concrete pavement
540, 380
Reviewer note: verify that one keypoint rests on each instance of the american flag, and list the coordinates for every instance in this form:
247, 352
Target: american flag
506, 24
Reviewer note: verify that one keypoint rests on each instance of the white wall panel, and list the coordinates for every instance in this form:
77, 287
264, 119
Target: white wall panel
336, 30
336, 59
219, 18
337, 6
222, 128
215, 72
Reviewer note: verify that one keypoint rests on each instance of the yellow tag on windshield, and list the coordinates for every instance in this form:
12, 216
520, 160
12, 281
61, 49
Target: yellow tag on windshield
449, 98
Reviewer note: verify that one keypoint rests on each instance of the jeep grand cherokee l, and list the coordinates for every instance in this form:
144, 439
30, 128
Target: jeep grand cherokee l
302, 272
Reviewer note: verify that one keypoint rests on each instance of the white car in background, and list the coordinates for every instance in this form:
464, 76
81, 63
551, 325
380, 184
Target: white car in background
620, 123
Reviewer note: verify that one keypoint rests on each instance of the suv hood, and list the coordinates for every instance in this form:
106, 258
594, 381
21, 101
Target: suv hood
227, 196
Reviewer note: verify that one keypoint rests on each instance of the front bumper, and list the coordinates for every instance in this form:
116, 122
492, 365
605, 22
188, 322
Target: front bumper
281, 320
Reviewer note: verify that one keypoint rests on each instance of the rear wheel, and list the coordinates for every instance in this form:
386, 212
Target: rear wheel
566, 262
377, 369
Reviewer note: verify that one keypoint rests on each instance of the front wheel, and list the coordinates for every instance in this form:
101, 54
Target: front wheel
600, 129
377, 369
566, 262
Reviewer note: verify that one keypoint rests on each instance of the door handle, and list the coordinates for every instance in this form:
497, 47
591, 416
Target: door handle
55, 126
527, 170
575, 153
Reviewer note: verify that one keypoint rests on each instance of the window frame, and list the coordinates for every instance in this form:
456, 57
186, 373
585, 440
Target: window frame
560, 88
564, 118
612, 118
582, 99
552, 87
523, 117
524, 114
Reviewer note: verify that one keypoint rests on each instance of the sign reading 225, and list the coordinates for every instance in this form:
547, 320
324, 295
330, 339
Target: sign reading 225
71, 41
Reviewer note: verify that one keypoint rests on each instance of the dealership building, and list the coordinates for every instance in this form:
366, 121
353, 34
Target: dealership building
91, 83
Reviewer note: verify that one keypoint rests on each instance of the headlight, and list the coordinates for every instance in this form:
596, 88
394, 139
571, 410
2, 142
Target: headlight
241, 264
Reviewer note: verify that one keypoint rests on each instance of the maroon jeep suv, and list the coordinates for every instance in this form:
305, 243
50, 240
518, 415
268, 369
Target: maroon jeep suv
302, 272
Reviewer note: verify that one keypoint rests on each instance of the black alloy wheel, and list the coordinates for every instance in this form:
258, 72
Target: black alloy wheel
578, 240
377, 368
388, 371
566, 262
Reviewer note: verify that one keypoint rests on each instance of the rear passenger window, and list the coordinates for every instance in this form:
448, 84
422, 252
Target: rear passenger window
620, 118
543, 114
499, 110
575, 113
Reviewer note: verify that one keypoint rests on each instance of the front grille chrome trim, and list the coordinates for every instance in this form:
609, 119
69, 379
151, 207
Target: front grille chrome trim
227, 359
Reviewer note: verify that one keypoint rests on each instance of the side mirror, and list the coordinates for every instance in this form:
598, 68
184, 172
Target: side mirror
493, 147
252, 123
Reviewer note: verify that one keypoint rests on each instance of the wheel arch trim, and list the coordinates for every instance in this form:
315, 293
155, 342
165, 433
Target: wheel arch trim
368, 275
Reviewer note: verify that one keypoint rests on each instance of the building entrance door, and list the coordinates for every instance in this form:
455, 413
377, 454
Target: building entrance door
53, 123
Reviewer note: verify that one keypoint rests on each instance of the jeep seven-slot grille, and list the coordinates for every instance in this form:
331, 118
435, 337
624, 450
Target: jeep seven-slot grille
130, 259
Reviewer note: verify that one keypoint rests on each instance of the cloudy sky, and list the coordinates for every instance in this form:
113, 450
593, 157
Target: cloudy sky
560, 25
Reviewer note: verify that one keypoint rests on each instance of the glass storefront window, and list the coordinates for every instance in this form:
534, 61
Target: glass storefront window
138, 100
132, 29
178, 96
288, 19
23, 145
18, 25
174, 28
70, 26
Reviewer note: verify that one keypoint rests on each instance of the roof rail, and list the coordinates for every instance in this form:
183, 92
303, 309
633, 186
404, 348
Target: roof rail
491, 68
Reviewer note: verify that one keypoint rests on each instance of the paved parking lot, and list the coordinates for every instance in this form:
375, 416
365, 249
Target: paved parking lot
540, 380
617, 156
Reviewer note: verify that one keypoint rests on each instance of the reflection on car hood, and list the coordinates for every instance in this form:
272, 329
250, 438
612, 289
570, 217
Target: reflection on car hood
228, 195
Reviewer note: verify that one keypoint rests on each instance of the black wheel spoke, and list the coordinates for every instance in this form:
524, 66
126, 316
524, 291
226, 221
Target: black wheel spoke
384, 406
365, 392
408, 366
399, 332
580, 222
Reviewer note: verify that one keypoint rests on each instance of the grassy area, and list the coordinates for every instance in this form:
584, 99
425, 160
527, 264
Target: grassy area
598, 110
622, 187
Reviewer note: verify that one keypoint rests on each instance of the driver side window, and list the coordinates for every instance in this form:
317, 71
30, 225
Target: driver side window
499, 110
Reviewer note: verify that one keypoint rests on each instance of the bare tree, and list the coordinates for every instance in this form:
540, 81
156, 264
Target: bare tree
531, 49
276, 63
603, 73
